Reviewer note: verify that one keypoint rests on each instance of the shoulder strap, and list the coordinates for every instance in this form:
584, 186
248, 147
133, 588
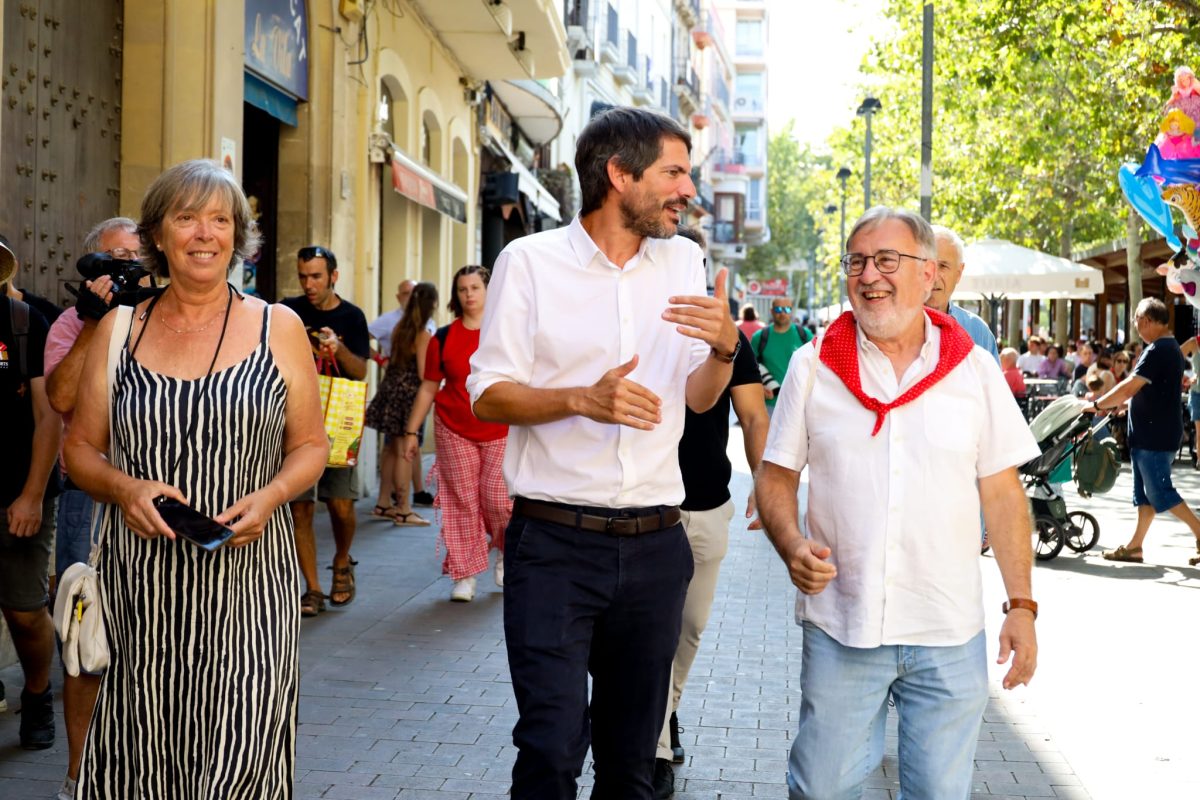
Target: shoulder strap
762, 341
441, 334
812, 371
116, 341
18, 313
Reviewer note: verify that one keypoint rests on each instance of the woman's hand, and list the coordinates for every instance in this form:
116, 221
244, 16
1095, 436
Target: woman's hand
248, 517
411, 446
136, 498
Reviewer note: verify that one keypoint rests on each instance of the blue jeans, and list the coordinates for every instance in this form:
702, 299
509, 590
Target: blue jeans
940, 695
1152, 479
579, 602
73, 541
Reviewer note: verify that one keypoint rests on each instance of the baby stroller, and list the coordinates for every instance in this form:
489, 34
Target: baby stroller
1063, 430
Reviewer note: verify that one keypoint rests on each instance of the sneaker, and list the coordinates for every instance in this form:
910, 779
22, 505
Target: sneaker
463, 591
500, 569
37, 720
422, 499
67, 792
664, 779
676, 747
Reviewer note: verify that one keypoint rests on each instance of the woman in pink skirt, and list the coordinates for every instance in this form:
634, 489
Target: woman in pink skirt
471, 493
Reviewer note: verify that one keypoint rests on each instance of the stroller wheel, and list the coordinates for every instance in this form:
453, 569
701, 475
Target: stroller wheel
1082, 531
1047, 538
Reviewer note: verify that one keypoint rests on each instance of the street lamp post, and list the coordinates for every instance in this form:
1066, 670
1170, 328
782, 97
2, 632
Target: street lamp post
842, 175
830, 210
868, 108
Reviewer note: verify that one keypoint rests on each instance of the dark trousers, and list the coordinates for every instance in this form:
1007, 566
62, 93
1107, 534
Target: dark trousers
579, 602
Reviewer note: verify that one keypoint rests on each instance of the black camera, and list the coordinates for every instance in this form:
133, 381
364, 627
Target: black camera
125, 274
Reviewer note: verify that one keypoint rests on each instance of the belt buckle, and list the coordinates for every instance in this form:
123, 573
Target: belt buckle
621, 526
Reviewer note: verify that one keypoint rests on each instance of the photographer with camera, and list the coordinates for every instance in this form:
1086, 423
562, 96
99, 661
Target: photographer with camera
66, 349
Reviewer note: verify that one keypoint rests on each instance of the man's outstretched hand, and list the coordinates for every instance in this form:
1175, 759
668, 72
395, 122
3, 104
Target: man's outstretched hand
706, 318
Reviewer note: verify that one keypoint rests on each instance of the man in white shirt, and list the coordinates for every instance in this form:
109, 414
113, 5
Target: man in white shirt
1031, 360
595, 337
382, 326
897, 418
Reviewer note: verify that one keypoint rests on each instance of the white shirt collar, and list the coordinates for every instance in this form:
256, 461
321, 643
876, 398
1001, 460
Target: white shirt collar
587, 252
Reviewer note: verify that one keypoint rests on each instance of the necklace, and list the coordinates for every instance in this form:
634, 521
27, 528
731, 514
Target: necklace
163, 319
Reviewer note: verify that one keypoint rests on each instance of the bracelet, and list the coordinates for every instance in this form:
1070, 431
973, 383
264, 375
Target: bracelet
411, 433
1020, 602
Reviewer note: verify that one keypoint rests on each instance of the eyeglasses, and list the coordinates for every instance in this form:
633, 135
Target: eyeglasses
309, 253
886, 261
781, 309
123, 254
1121, 360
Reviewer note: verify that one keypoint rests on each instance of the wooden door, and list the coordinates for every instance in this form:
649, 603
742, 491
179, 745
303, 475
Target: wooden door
61, 129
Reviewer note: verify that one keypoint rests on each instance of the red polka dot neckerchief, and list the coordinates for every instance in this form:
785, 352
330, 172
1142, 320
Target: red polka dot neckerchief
839, 352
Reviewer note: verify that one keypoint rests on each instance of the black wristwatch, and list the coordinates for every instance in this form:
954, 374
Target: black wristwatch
728, 359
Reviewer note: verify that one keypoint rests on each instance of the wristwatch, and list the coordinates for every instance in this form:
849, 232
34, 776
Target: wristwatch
1020, 602
728, 359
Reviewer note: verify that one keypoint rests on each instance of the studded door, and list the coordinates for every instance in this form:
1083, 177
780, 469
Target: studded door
61, 128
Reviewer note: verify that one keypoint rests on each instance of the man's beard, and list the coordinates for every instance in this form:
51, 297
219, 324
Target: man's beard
647, 220
888, 323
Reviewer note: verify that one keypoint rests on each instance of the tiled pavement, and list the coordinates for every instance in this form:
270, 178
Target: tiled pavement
406, 695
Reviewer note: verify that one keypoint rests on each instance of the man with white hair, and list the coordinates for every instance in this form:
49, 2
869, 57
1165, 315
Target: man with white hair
909, 431
949, 273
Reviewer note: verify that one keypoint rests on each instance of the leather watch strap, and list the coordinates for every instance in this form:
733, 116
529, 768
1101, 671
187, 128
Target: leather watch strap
1021, 602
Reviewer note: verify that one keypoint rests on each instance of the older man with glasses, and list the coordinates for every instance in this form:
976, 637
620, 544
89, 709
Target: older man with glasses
908, 430
773, 346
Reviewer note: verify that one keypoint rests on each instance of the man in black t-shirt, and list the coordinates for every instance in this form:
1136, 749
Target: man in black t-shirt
48, 309
706, 512
32, 433
338, 330
1155, 427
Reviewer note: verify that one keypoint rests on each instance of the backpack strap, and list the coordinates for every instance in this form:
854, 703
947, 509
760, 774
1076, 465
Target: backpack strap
441, 334
762, 341
18, 314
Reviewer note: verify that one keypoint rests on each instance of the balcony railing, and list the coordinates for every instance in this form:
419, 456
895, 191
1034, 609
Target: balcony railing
720, 90
754, 212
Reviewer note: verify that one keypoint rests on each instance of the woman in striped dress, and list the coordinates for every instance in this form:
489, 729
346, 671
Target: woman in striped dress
214, 404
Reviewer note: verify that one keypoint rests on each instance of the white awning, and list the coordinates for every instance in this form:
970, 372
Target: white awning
997, 267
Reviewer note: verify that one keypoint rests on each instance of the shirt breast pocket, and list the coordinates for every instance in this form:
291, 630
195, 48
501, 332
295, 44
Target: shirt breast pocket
952, 423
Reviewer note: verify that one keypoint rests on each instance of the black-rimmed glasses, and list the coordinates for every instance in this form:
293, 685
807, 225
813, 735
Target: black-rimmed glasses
886, 261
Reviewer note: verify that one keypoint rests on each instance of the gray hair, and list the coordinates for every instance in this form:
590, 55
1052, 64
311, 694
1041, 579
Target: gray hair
942, 232
189, 186
1154, 310
1009, 353
91, 243
916, 224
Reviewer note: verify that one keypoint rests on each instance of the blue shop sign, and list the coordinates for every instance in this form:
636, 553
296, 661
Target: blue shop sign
277, 44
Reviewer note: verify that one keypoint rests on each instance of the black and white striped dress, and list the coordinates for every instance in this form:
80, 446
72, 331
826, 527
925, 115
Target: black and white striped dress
200, 699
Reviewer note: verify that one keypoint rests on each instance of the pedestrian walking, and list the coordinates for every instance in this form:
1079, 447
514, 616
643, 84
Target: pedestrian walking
750, 323
338, 336
594, 338
28, 488
1155, 428
890, 596
389, 409
215, 406
706, 511
951, 264
381, 331
473, 499
67, 346
774, 345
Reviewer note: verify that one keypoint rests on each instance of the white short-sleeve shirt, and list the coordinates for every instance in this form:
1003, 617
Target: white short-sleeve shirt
899, 510
559, 314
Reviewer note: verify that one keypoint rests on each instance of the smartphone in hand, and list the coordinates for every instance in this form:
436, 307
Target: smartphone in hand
189, 523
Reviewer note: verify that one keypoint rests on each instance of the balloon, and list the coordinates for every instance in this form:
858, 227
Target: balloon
1143, 194
1177, 170
1186, 198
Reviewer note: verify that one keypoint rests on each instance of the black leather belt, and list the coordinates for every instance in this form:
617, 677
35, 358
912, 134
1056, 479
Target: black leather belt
630, 522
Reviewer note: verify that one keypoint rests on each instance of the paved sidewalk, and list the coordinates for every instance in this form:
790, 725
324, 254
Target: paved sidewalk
406, 695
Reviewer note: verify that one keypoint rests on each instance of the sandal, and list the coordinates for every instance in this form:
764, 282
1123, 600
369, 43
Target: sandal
1194, 560
343, 583
1132, 555
312, 603
410, 519
383, 512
